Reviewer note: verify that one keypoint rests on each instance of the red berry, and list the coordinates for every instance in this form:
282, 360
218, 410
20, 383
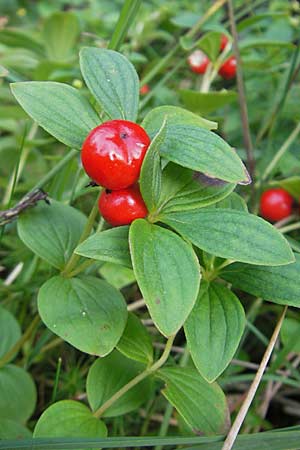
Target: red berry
276, 204
198, 61
223, 42
113, 152
144, 89
228, 69
122, 207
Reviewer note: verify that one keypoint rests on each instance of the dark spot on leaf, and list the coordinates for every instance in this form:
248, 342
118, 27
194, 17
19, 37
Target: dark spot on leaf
207, 180
104, 327
157, 301
198, 432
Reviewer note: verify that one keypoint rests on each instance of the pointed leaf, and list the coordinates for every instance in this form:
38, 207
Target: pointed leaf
51, 231
107, 375
109, 245
58, 108
202, 405
214, 328
232, 234
276, 284
61, 31
112, 80
167, 272
202, 150
87, 312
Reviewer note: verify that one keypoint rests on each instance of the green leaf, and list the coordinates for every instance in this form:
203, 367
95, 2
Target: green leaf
116, 275
13, 430
264, 43
10, 331
135, 342
232, 234
150, 178
175, 116
61, 31
276, 284
109, 245
290, 331
87, 312
18, 394
51, 232
167, 272
214, 328
199, 192
233, 201
106, 376
58, 108
112, 80
14, 37
209, 44
206, 102
69, 418
201, 404
204, 151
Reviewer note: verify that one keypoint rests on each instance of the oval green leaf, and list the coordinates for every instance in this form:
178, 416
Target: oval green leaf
10, 331
51, 232
109, 245
69, 418
58, 108
174, 116
107, 375
276, 284
167, 272
232, 234
201, 404
206, 102
112, 80
87, 312
202, 150
135, 342
18, 394
13, 430
61, 31
213, 329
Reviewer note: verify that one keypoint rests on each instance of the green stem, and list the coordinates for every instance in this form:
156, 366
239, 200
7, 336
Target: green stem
18, 345
150, 370
288, 228
83, 266
86, 232
285, 146
127, 15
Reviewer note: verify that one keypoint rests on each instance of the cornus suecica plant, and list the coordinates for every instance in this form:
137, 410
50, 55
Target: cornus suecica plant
195, 242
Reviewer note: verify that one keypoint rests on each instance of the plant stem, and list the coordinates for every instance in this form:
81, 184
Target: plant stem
285, 146
241, 91
127, 16
292, 227
18, 345
86, 232
99, 412
232, 435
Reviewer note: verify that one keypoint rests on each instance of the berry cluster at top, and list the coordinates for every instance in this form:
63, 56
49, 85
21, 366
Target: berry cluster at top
112, 156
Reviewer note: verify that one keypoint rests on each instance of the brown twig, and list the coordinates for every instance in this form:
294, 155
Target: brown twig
241, 92
31, 199
233, 432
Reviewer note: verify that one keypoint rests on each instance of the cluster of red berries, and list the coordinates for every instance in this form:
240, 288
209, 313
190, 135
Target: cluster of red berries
276, 204
112, 156
199, 61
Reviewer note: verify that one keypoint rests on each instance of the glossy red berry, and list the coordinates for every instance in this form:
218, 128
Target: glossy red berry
276, 204
223, 42
113, 152
144, 89
198, 61
122, 207
228, 69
